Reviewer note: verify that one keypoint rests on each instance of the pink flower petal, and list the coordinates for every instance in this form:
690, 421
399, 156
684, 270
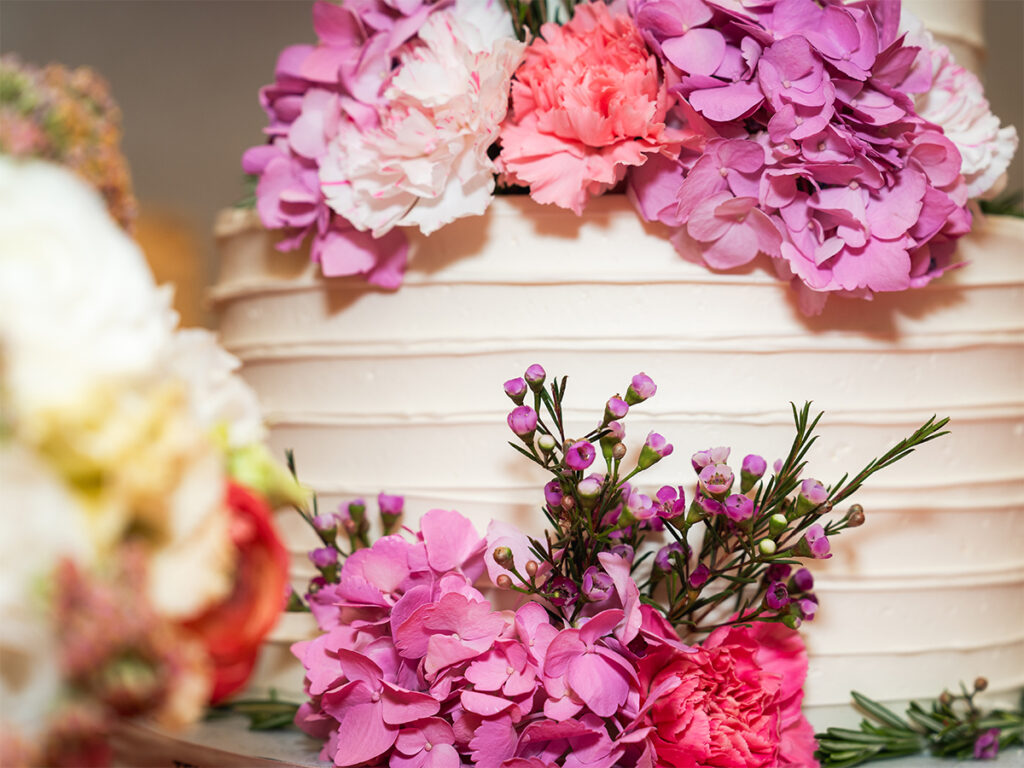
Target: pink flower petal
700, 51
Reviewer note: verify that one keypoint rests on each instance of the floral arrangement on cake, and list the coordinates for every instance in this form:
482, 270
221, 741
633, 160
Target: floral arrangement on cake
139, 568
836, 138
642, 629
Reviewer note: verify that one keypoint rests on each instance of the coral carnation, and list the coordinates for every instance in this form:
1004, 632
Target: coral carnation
587, 105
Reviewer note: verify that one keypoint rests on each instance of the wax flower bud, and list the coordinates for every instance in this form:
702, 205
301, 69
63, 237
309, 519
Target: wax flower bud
589, 489
516, 390
597, 585
778, 572
767, 547
803, 581
523, 422
324, 557
357, 513
391, 508
326, 526
808, 606
814, 543
699, 577
546, 443
616, 408
656, 447
812, 495
535, 376
553, 493
855, 517
625, 551
615, 434
580, 455
503, 557
640, 388
752, 470
777, 523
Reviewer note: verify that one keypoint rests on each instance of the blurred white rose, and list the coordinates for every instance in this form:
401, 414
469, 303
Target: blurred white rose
78, 304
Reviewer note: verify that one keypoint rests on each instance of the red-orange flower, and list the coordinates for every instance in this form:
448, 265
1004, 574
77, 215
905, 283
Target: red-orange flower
234, 629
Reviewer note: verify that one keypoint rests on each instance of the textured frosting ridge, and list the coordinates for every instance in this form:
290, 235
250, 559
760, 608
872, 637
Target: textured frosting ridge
402, 393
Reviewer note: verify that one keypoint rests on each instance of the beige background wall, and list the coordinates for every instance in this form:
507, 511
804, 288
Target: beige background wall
186, 73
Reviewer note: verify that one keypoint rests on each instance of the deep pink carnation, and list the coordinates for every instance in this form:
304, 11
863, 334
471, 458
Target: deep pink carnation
734, 703
587, 104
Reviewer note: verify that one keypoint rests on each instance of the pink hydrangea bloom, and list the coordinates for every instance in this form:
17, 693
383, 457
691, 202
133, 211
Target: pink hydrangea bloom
733, 703
587, 105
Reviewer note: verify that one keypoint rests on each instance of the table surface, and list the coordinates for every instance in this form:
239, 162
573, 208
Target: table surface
227, 743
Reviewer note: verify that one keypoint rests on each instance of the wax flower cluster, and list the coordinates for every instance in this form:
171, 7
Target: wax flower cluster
585, 650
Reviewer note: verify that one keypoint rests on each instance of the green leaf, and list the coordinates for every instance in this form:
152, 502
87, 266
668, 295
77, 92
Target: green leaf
880, 713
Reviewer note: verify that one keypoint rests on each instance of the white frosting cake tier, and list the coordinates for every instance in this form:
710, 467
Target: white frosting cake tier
401, 392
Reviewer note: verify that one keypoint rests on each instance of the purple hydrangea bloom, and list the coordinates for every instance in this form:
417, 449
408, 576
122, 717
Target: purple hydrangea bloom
806, 146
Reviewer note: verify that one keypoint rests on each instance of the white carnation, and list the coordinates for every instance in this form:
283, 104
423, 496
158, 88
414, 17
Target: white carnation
426, 163
956, 103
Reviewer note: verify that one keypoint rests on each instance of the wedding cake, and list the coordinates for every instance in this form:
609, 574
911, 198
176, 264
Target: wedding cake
376, 390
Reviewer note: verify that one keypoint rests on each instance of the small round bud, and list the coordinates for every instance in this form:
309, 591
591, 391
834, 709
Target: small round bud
945, 698
766, 547
777, 524
531, 568
503, 556
855, 517
516, 390
619, 451
792, 621
568, 503
546, 443
504, 581
980, 684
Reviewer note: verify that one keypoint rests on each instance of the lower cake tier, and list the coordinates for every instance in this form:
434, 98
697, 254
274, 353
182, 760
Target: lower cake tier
401, 392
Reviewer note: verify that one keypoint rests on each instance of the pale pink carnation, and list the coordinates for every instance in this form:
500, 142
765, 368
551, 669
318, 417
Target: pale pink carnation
956, 103
424, 162
734, 703
587, 105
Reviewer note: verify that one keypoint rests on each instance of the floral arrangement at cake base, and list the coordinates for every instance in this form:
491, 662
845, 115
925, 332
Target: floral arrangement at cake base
642, 629
139, 567
837, 140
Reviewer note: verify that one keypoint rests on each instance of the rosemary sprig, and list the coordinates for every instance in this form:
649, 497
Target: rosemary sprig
953, 726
